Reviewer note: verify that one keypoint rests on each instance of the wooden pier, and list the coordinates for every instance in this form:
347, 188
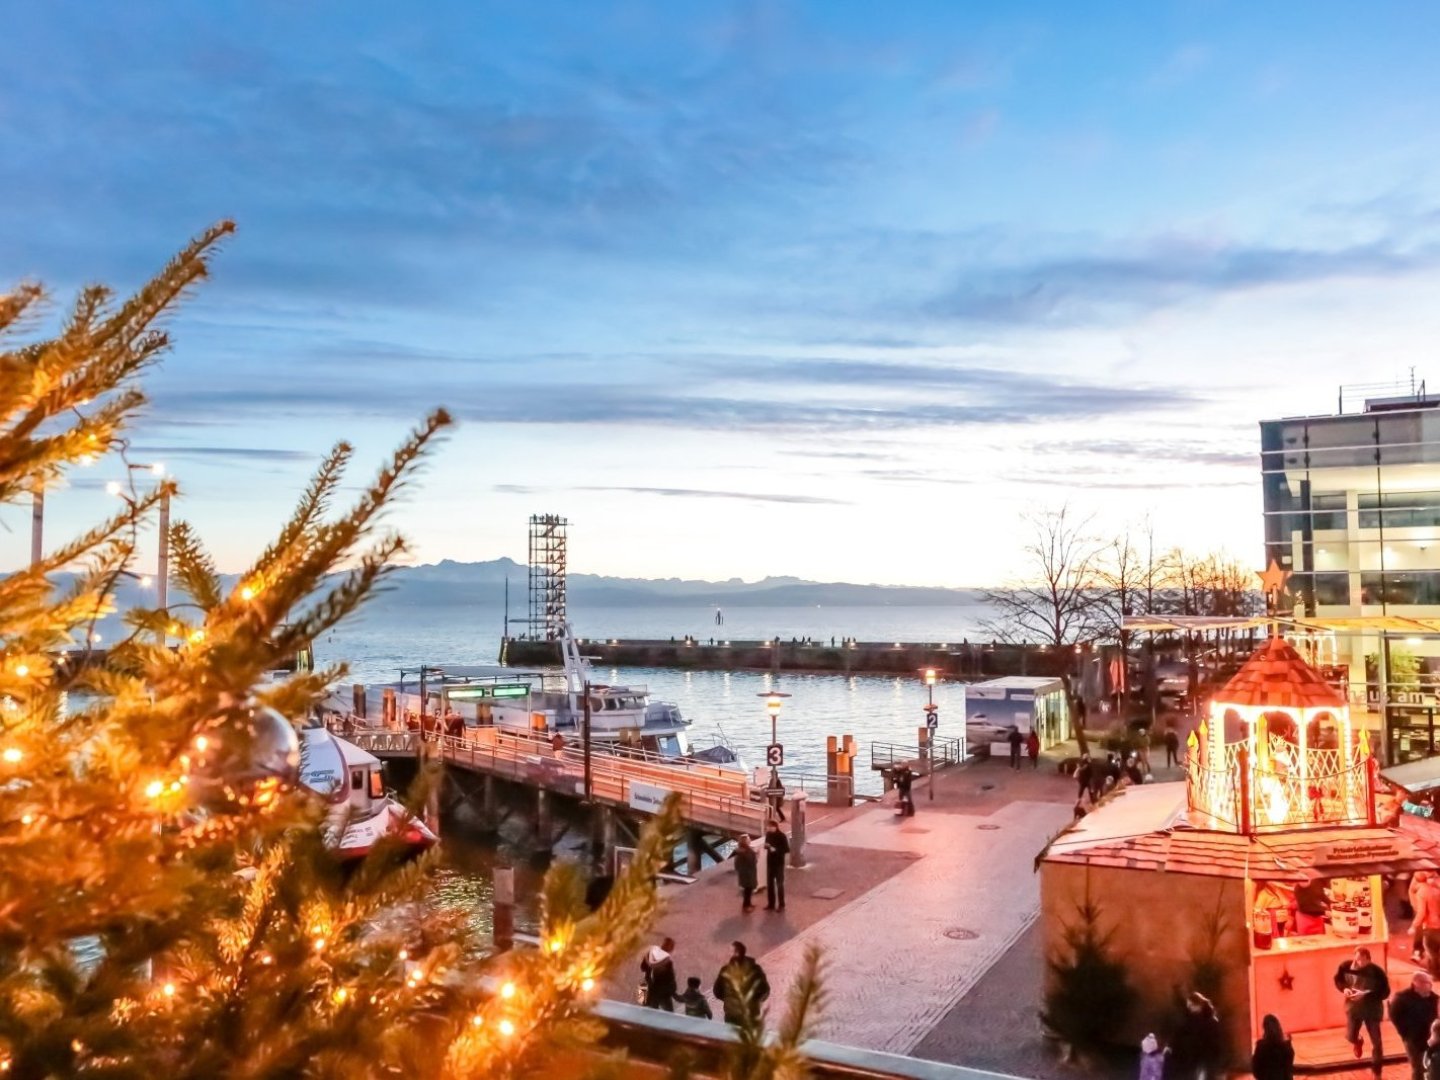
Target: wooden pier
714, 802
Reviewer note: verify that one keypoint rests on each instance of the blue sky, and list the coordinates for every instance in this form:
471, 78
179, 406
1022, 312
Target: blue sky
836, 290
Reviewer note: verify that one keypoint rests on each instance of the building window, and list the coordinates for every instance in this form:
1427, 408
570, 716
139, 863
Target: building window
1329, 512
1400, 510
1332, 588
1410, 587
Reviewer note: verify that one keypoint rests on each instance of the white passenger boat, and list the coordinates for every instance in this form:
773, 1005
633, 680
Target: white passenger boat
361, 811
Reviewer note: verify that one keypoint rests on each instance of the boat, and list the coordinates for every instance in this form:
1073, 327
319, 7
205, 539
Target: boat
622, 719
351, 780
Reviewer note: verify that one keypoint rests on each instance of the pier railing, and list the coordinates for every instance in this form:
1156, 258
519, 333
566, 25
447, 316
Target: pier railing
710, 796
945, 752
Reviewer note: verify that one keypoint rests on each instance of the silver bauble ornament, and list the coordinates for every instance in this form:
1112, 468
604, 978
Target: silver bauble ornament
246, 757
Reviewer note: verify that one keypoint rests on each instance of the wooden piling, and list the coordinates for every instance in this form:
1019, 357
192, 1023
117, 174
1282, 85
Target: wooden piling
503, 905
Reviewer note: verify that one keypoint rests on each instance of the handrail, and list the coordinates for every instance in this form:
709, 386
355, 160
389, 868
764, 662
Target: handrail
943, 752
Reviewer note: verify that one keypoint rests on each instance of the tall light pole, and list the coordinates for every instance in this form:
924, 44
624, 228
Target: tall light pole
774, 753
162, 561
932, 725
37, 523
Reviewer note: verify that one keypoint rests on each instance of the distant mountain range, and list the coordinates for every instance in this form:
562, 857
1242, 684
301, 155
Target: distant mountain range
458, 584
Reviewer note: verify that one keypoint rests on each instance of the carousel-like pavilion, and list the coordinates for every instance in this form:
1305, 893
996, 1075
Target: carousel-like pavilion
1270, 863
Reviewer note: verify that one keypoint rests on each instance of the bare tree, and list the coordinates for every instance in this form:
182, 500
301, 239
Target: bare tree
1056, 598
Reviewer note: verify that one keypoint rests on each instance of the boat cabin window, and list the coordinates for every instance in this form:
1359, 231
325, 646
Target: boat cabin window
357, 779
377, 785
668, 746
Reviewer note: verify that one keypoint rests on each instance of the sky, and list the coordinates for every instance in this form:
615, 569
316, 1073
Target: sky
836, 290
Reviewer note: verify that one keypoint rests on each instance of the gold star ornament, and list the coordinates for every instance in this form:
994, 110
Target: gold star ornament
1273, 579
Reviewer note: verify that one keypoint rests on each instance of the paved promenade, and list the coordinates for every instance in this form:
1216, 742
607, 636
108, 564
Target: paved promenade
911, 913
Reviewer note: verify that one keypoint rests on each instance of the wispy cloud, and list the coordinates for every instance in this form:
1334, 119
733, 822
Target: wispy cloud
676, 493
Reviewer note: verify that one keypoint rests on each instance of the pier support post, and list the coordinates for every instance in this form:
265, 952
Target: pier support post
489, 804
357, 695
607, 837
503, 891
797, 829
543, 832
389, 715
693, 852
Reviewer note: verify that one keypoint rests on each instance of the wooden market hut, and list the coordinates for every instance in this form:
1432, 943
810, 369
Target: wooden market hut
1268, 864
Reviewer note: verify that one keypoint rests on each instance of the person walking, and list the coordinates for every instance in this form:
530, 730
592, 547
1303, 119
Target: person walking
904, 780
1199, 1045
1274, 1056
1425, 926
1016, 740
1365, 987
777, 846
1172, 746
1032, 748
658, 967
746, 872
1413, 1012
1084, 771
694, 1000
1152, 1059
741, 987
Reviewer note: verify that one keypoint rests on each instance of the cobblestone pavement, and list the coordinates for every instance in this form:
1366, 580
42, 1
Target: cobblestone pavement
905, 952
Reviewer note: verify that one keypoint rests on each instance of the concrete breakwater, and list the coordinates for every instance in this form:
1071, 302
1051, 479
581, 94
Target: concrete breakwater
961, 661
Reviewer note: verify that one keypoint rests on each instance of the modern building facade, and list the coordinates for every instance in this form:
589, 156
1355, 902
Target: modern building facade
1352, 510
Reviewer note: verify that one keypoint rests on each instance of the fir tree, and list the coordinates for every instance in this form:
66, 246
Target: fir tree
162, 915
1089, 998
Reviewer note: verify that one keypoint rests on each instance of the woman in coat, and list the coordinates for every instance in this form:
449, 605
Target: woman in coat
746, 871
1274, 1057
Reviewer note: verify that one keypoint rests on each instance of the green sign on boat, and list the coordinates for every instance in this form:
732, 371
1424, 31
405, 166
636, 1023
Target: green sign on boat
484, 693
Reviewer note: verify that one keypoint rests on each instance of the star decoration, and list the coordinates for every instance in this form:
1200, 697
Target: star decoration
1273, 579
1287, 981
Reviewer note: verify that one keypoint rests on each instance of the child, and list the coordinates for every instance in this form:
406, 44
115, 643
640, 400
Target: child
694, 1001
1152, 1059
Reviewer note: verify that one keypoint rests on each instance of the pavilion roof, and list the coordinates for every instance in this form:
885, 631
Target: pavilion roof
1276, 676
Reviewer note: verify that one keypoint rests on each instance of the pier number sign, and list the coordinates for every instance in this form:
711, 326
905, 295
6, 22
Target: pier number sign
932, 719
775, 755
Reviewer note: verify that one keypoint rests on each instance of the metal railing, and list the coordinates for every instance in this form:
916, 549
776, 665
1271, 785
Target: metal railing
709, 795
1279, 794
884, 755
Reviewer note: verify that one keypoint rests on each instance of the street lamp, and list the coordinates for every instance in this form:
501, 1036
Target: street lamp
932, 724
774, 753
162, 568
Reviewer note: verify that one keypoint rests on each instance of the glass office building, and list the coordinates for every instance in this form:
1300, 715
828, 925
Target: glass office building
1352, 509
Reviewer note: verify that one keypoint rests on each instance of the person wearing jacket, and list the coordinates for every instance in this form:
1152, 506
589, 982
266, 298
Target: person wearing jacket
1365, 986
746, 872
1199, 1044
741, 986
1274, 1057
1413, 1011
659, 970
694, 1001
1432, 1053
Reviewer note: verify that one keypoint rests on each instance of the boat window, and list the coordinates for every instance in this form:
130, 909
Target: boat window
357, 779
668, 745
377, 785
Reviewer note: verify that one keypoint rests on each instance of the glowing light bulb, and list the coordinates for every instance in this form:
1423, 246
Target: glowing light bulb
95, 638
197, 636
587, 985
168, 989
146, 581
22, 670
201, 742
158, 469
155, 789
247, 593
340, 995
266, 959
113, 488
556, 945
477, 1020
507, 1028
26, 819
318, 944
507, 991
12, 755
404, 954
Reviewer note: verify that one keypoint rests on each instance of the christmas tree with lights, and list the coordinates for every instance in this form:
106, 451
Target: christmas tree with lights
169, 906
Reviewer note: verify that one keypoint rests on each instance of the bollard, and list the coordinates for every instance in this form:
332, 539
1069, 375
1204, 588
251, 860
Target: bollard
389, 715
503, 880
797, 830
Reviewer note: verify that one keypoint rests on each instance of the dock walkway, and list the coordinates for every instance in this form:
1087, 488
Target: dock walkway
711, 798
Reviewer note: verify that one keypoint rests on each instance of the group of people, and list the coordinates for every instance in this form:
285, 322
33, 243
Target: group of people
1093, 779
740, 987
747, 858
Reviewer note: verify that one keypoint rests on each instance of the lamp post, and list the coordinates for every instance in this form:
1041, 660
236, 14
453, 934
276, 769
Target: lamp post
932, 724
162, 561
37, 523
775, 753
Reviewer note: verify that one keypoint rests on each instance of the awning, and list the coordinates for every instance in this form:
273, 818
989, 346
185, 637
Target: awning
1415, 776
1375, 624
1192, 622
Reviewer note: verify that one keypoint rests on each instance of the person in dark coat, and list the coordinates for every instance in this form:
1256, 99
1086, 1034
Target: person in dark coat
659, 970
1084, 772
1274, 1057
1172, 747
694, 1001
741, 986
904, 780
746, 872
1198, 1048
777, 846
1432, 1053
1016, 741
1365, 986
1413, 1011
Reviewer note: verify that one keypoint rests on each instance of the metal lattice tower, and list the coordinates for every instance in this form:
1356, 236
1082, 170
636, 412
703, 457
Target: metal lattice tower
547, 576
